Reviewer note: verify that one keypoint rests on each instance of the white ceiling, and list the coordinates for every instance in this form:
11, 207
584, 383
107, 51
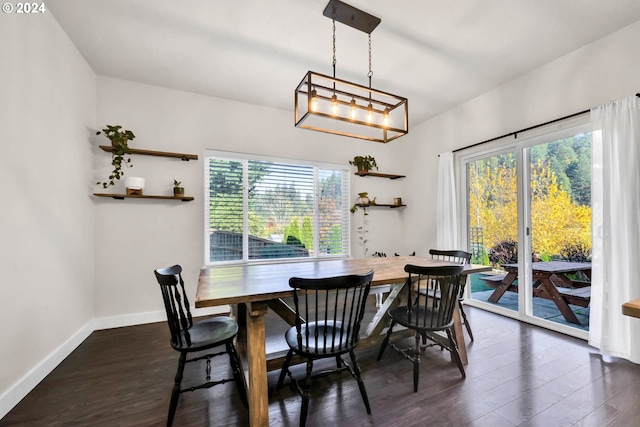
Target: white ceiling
436, 53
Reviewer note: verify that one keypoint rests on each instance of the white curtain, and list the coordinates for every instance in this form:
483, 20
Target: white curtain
616, 227
447, 231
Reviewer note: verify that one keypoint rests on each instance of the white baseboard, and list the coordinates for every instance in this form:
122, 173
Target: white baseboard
10, 398
20, 389
149, 317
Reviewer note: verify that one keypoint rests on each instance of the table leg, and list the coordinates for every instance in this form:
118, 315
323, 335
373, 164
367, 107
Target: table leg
397, 296
459, 333
258, 392
283, 310
559, 301
502, 287
561, 280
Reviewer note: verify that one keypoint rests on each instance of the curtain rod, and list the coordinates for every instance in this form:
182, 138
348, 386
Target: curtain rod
515, 134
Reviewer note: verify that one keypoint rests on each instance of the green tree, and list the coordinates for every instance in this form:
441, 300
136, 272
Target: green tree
333, 240
579, 172
330, 211
225, 195
569, 159
280, 204
306, 233
557, 217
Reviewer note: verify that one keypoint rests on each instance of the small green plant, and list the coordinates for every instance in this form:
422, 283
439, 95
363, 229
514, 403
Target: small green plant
481, 258
543, 257
363, 232
120, 143
178, 191
363, 201
364, 163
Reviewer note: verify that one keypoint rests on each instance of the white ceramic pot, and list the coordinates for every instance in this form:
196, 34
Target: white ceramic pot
134, 183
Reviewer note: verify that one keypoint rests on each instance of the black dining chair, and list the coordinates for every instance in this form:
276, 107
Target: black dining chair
328, 314
189, 337
460, 257
425, 314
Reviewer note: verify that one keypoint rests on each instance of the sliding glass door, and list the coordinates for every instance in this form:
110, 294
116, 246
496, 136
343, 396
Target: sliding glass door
560, 215
493, 223
528, 209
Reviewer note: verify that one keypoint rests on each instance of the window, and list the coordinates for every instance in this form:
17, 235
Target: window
262, 209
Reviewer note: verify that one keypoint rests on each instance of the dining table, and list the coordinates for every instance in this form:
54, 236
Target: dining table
552, 280
253, 289
631, 308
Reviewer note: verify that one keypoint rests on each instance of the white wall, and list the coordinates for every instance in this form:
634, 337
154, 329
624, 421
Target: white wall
603, 71
47, 112
134, 237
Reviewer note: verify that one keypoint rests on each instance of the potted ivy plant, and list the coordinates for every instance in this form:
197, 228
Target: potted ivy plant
363, 198
364, 163
120, 143
178, 191
362, 201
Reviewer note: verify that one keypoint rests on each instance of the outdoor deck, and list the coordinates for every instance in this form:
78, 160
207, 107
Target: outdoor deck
542, 308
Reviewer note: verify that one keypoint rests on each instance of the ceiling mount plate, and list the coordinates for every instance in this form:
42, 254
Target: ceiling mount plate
351, 16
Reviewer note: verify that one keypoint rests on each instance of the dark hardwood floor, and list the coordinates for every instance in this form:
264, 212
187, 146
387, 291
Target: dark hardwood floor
517, 375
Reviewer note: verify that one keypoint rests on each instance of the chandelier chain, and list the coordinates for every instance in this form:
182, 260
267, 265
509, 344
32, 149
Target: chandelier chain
334, 48
370, 73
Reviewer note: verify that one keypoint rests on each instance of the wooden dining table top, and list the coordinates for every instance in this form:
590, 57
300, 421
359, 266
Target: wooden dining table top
631, 308
260, 282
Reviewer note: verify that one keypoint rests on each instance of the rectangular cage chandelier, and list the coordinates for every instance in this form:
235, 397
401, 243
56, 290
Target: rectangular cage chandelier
327, 104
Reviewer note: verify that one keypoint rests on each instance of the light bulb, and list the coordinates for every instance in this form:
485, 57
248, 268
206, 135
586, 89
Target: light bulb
334, 105
353, 109
314, 100
385, 117
370, 113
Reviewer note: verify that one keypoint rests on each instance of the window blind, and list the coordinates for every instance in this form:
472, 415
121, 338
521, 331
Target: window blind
260, 210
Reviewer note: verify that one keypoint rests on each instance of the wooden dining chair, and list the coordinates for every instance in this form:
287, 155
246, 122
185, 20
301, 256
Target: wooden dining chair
460, 257
328, 314
189, 337
425, 314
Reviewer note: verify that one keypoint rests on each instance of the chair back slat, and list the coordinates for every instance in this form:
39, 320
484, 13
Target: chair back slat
176, 304
334, 306
457, 256
425, 311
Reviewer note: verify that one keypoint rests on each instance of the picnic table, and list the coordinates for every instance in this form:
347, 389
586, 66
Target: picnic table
550, 281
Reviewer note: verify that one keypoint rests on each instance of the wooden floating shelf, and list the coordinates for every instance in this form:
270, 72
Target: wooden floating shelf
133, 196
183, 156
380, 205
381, 175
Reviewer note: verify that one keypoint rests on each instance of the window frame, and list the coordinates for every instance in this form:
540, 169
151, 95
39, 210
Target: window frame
245, 158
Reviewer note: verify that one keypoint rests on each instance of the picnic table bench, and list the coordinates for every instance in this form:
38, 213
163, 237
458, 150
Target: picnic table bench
550, 282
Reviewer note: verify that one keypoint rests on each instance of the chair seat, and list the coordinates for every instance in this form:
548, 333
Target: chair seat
209, 333
328, 343
407, 318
